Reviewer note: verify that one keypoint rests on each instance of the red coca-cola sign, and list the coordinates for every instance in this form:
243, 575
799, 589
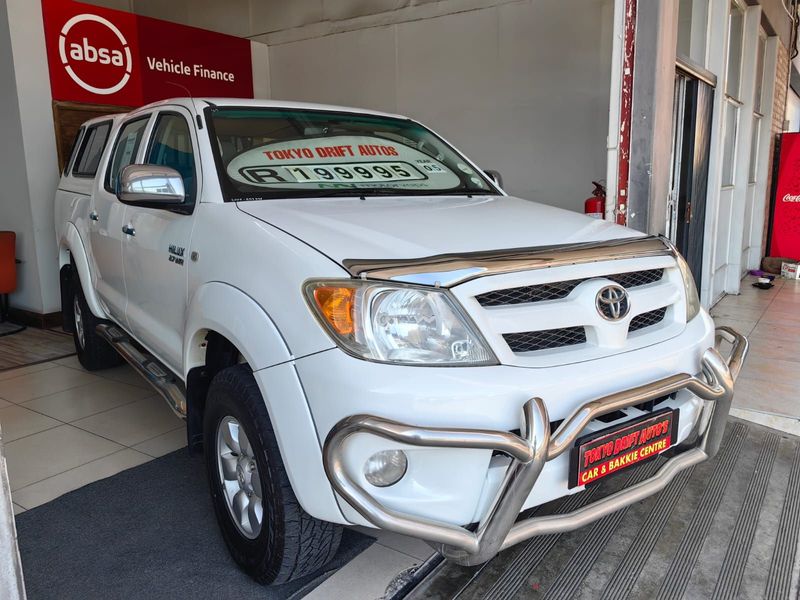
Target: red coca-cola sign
785, 239
106, 56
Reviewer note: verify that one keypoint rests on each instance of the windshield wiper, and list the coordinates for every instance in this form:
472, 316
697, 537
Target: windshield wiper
364, 193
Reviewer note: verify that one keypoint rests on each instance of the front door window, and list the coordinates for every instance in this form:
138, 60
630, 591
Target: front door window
125, 150
171, 146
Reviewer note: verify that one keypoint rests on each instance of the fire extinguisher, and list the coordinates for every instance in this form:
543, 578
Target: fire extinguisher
595, 206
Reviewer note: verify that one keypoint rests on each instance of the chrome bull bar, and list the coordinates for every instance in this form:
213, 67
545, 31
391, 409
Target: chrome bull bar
530, 451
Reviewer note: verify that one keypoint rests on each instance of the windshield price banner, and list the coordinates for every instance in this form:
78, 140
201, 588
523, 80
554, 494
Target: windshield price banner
105, 56
340, 162
610, 451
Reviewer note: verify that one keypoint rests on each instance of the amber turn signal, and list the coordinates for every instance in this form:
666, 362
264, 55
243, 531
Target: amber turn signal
336, 306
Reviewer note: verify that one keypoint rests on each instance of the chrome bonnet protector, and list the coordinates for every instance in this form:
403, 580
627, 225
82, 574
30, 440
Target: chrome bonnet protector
530, 451
447, 270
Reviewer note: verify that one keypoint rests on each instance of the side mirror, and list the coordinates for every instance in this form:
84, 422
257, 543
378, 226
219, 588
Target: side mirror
150, 184
495, 176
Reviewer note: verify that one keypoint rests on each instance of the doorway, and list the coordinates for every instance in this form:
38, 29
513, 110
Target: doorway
686, 207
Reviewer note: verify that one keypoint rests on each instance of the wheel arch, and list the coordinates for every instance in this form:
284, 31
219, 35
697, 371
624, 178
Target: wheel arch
226, 326
229, 312
223, 326
72, 255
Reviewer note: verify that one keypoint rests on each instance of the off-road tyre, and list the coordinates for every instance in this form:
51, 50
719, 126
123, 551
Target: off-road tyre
94, 353
291, 543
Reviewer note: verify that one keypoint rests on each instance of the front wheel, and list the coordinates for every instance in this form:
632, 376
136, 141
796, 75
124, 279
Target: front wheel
266, 530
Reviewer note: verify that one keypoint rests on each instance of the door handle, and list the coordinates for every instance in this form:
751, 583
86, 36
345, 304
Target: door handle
93, 216
128, 230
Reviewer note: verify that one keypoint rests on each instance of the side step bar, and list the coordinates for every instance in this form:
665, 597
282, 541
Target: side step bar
165, 383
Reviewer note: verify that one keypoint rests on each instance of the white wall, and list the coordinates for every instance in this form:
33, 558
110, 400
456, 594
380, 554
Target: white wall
28, 162
259, 54
15, 213
520, 87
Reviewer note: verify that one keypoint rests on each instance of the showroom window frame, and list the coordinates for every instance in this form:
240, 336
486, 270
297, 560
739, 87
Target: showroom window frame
758, 106
754, 239
723, 229
699, 33
733, 99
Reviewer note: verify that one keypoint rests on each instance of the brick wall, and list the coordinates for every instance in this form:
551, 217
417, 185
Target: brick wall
778, 116
781, 89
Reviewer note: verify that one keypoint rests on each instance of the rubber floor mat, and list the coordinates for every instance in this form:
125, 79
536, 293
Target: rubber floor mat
726, 528
148, 532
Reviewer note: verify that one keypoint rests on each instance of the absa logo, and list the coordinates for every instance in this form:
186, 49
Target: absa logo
96, 55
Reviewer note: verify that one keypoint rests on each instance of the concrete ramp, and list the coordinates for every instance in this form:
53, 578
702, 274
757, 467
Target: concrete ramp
727, 528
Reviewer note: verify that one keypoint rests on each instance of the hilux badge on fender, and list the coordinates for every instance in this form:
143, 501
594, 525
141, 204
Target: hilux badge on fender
612, 302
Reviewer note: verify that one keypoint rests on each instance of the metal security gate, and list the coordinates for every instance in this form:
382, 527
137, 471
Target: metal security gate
727, 528
686, 209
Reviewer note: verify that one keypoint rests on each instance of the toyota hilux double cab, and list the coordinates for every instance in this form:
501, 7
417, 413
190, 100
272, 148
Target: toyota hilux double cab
360, 327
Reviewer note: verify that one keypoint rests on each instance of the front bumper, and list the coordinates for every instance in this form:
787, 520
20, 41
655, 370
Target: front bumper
529, 452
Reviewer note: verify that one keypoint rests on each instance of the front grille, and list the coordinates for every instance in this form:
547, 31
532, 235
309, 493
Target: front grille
562, 289
648, 406
647, 319
637, 278
528, 293
529, 341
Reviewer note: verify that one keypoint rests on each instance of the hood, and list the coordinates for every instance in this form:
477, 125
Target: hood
422, 226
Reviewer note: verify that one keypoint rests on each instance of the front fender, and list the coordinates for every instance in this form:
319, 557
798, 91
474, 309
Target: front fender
241, 320
71, 240
223, 308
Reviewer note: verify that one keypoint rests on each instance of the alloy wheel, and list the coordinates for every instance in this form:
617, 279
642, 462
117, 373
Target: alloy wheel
241, 482
76, 310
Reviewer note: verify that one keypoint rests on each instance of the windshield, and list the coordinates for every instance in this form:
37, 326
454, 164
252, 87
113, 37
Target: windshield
280, 153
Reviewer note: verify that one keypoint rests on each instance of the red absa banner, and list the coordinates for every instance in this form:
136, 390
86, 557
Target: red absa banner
105, 56
786, 214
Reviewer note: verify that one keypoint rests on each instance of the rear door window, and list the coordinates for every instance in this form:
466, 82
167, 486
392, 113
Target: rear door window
73, 152
125, 150
90, 150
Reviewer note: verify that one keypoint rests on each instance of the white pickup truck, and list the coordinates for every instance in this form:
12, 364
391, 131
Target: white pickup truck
360, 327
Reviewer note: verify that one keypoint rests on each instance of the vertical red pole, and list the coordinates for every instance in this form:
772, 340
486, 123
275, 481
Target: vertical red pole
626, 106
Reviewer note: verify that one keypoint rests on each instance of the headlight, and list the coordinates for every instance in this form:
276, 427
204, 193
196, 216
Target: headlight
397, 323
692, 299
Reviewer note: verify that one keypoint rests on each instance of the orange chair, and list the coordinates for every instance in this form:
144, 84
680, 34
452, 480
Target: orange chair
8, 270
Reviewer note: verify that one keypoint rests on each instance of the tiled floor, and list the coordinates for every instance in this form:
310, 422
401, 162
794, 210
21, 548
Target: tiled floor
766, 391
64, 427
